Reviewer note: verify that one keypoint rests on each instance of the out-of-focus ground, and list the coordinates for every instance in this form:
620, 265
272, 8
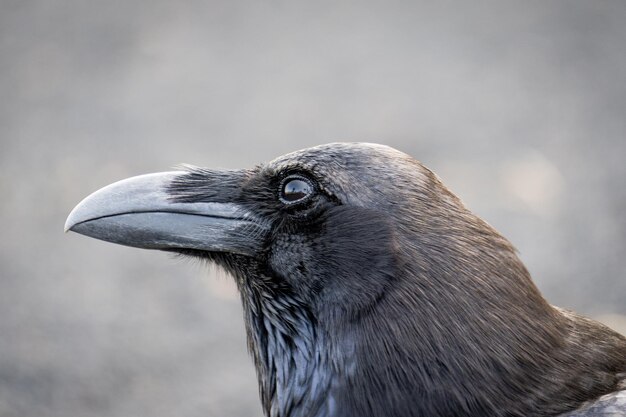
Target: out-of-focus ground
518, 106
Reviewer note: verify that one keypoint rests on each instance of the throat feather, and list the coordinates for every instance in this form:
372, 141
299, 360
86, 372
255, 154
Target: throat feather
293, 369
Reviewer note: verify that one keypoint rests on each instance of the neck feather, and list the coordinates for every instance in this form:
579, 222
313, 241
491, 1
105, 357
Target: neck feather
289, 351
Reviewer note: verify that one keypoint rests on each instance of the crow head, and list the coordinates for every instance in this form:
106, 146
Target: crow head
368, 288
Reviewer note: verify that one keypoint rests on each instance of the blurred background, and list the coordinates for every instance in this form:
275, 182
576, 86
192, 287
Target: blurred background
518, 106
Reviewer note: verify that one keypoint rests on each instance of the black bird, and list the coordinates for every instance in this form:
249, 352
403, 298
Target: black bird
369, 290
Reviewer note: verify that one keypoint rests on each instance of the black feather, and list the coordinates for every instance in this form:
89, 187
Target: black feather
379, 294
385, 296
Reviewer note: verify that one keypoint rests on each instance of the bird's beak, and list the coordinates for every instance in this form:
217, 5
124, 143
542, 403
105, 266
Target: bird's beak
139, 212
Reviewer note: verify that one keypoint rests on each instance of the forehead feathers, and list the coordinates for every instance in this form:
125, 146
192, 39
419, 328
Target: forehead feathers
361, 174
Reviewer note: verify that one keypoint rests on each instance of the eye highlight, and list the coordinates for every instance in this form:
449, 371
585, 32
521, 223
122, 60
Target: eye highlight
295, 189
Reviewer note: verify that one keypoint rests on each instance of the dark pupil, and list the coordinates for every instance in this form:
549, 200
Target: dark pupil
295, 190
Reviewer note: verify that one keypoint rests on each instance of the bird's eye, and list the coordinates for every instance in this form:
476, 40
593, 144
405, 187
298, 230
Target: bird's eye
295, 189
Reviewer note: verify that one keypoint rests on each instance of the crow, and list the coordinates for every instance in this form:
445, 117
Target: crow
369, 290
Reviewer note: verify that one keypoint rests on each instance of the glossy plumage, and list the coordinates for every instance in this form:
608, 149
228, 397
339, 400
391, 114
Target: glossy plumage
369, 290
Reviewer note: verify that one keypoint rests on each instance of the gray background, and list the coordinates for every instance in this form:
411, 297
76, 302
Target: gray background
518, 106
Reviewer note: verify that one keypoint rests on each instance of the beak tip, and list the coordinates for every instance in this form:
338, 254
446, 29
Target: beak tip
76, 216
69, 223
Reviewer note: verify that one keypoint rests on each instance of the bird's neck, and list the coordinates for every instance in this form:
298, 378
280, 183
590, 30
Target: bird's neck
308, 370
291, 356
